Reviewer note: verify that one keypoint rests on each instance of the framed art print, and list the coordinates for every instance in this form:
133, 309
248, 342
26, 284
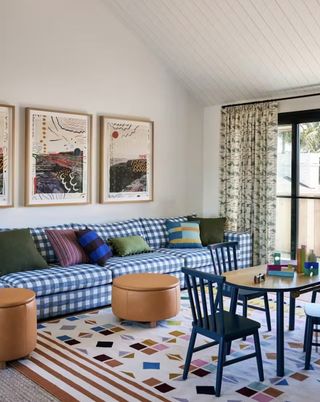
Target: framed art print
6, 155
126, 159
58, 146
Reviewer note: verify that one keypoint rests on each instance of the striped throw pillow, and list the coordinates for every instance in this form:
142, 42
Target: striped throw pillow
66, 247
183, 234
96, 249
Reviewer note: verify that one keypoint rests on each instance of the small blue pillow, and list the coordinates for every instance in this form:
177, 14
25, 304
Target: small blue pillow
95, 248
183, 234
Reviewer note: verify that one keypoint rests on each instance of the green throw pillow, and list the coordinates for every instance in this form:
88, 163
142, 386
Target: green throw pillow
211, 229
18, 252
129, 245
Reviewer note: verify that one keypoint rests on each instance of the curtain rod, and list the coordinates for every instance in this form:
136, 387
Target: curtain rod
270, 100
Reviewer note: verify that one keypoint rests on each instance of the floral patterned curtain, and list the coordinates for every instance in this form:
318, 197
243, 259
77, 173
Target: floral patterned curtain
248, 173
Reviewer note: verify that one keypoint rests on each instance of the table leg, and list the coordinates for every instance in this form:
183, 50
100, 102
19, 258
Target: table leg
280, 334
292, 310
233, 309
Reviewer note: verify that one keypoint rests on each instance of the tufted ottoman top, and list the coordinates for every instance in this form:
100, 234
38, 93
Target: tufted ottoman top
146, 282
15, 297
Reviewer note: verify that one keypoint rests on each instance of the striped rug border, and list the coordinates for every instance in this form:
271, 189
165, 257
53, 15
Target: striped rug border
61, 371
42, 382
99, 365
91, 371
76, 375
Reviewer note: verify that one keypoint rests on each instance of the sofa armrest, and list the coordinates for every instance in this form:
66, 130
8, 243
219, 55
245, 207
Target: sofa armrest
244, 240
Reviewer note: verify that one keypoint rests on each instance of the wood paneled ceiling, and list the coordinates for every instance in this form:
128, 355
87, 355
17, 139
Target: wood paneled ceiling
232, 50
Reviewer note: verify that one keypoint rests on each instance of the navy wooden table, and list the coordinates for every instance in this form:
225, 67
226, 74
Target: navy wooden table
244, 278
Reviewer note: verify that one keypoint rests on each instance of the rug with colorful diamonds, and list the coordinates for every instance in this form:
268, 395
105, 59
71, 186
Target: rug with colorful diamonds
151, 360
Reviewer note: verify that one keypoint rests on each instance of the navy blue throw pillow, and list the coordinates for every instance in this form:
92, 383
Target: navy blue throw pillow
95, 248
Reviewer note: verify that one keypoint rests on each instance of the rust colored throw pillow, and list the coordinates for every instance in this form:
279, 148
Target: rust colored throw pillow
66, 247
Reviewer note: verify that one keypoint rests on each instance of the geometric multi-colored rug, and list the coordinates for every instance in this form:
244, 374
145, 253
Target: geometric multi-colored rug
93, 356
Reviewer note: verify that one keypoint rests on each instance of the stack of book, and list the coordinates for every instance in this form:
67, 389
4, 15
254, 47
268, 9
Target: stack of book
280, 270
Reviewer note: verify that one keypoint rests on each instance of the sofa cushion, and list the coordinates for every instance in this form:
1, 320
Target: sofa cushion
211, 229
192, 257
57, 279
195, 257
42, 242
106, 231
183, 234
97, 250
66, 246
156, 232
150, 262
124, 246
18, 252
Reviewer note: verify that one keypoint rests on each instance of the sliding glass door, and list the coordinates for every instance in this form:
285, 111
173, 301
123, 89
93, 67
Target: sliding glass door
298, 182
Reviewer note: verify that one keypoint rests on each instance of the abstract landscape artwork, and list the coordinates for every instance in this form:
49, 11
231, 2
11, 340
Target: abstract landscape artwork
126, 160
6, 155
58, 157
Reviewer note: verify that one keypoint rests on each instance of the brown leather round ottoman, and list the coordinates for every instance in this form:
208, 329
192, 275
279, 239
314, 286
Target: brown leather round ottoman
18, 324
146, 297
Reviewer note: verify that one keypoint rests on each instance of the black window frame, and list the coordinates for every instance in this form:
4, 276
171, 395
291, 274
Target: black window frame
294, 119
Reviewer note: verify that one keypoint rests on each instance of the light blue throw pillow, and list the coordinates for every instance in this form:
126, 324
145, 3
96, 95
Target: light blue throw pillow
183, 234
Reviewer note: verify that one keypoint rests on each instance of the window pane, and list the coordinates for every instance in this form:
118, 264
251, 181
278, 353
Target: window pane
309, 181
283, 227
284, 160
309, 230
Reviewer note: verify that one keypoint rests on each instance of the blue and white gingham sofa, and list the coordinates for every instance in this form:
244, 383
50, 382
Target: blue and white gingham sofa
81, 287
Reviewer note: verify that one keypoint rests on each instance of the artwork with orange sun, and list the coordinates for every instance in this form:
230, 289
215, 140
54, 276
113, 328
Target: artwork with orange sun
126, 160
6, 155
58, 157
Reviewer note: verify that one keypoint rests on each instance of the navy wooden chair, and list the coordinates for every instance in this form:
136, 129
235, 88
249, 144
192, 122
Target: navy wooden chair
314, 296
210, 320
312, 311
313, 300
224, 259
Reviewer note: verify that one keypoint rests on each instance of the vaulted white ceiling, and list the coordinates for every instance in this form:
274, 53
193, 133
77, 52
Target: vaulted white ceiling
230, 50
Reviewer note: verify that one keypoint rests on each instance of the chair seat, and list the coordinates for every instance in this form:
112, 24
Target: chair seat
235, 326
243, 293
251, 294
312, 309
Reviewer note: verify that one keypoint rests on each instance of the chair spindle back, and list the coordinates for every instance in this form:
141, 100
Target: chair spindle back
206, 306
224, 257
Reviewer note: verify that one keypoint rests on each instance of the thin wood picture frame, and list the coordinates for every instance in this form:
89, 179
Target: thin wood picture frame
126, 159
58, 157
7, 142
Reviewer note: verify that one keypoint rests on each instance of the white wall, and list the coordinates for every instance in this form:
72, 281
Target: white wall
75, 55
211, 143
293, 105
211, 163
